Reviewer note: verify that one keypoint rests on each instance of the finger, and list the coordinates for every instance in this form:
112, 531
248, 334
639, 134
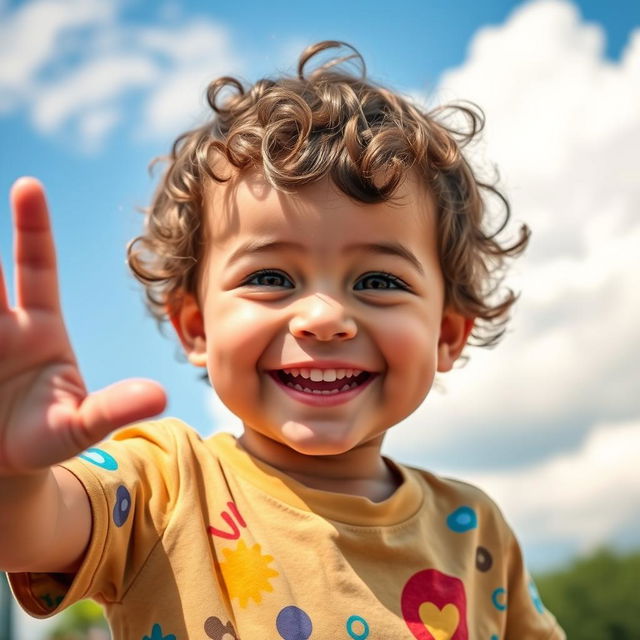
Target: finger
35, 256
118, 405
4, 300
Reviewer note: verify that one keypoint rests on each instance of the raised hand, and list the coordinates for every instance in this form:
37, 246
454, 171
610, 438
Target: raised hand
46, 413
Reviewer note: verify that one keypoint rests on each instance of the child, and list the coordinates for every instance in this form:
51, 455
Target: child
320, 248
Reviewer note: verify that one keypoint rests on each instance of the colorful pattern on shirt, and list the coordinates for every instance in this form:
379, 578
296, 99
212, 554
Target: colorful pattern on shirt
194, 536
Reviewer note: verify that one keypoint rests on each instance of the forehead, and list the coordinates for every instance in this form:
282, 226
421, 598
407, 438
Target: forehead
317, 214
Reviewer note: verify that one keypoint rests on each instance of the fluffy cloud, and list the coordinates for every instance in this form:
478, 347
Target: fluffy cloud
30, 37
563, 124
88, 88
197, 53
71, 64
577, 500
549, 421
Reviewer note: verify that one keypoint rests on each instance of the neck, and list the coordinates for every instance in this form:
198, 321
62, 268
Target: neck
360, 471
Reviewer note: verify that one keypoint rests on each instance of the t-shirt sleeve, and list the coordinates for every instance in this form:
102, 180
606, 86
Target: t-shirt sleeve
509, 591
132, 482
527, 617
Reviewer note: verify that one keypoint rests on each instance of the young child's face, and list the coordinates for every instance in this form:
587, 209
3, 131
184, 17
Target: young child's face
297, 286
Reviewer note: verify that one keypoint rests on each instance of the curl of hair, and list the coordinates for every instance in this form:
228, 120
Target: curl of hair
327, 122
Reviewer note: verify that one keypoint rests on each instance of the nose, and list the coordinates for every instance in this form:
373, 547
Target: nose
322, 318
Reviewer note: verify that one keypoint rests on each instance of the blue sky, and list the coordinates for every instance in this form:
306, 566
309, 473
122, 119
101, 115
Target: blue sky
91, 90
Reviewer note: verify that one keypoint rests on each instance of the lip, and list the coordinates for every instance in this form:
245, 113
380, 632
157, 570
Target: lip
318, 399
323, 364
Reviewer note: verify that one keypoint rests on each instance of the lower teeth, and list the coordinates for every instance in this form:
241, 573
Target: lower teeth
323, 392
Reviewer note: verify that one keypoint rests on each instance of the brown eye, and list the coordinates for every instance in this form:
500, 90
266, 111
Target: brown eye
269, 278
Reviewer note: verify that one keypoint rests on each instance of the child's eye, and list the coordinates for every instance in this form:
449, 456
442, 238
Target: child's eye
269, 278
380, 280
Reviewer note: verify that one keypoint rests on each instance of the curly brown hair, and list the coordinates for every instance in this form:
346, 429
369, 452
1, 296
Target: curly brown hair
366, 138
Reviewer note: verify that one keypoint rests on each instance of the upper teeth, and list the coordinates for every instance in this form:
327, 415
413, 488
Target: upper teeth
326, 375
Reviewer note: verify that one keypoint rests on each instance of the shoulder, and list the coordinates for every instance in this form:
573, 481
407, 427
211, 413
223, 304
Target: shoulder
163, 432
166, 438
450, 488
473, 526
155, 449
464, 505
148, 464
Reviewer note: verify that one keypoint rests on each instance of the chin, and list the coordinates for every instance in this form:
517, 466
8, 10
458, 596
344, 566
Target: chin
317, 440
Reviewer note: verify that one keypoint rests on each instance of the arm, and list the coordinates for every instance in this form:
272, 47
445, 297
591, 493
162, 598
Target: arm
46, 414
45, 523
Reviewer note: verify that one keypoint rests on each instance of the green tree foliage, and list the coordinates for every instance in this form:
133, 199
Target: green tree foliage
82, 621
596, 597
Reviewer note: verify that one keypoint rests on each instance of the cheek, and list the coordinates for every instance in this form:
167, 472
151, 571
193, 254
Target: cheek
237, 335
410, 349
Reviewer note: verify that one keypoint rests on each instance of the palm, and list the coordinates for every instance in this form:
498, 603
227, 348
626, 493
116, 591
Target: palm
46, 414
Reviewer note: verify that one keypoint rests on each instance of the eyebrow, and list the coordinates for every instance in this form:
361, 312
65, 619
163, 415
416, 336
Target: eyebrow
388, 249
264, 245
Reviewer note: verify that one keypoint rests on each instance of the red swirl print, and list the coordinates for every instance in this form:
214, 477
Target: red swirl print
234, 530
434, 606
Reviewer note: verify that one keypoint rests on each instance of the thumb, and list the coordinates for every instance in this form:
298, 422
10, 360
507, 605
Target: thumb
120, 404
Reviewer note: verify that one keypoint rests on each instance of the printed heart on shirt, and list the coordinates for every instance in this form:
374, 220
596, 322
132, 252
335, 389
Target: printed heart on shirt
434, 606
440, 623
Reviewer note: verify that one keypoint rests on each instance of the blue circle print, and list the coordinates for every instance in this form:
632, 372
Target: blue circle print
535, 597
122, 507
293, 624
499, 599
462, 519
100, 458
358, 622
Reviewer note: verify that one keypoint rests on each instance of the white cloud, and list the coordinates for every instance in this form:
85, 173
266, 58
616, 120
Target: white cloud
185, 44
563, 126
67, 64
579, 500
31, 34
198, 53
95, 84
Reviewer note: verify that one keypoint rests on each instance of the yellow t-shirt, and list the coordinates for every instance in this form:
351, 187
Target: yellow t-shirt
195, 538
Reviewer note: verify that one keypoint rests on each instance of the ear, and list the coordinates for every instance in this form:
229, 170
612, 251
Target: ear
187, 320
454, 333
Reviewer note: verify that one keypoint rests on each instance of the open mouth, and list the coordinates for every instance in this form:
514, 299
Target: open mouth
322, 381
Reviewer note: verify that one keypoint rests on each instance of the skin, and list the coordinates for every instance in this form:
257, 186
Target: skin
326, 301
